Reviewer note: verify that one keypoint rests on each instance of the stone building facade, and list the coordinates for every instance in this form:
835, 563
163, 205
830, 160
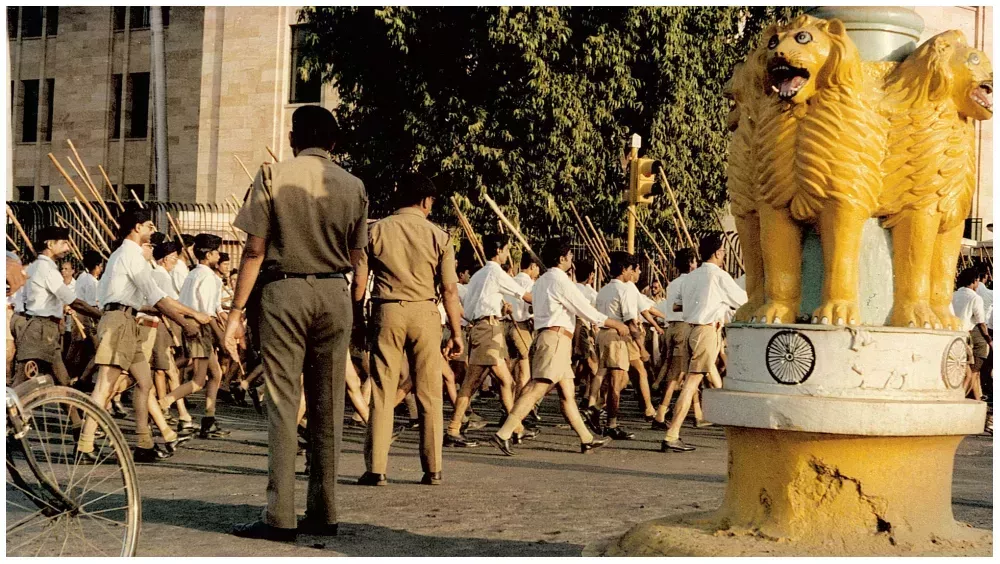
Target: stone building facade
231, 90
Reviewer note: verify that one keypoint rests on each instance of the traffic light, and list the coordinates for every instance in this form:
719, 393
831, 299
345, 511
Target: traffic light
644, 180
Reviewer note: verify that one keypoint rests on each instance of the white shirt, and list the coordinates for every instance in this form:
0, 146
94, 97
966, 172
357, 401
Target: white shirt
67, 317
673, 297
180, 272
165, 281
86, 288
968, 307
463, 291
557, 302
619, 301
202, 290
128, 279
987, 296
486, 290
707, 293
520, 309
17, 300
45, 294
588, 292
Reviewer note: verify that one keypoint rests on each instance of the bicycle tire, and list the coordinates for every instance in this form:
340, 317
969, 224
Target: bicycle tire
51, 404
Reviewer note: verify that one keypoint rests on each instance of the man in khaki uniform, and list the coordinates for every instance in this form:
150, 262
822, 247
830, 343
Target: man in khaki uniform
306, 217
410, 258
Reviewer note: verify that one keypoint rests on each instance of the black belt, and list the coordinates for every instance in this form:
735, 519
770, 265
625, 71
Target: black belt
485, 318
48, 317
274, 276
127, 310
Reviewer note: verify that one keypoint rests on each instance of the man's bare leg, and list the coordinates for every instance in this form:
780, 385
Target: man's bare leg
473, 379
107, 377
643, 378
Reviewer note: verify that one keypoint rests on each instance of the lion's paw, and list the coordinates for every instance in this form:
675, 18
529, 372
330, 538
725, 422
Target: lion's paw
837, 312
745, 313
914, 314
947, 318
776, 312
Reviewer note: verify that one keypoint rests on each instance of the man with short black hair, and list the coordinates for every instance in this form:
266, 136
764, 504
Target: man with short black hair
970, 310
556, 302
519, 326
706, 296
675, 363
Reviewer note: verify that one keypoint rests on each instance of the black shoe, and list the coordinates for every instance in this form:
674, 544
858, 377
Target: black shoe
659, 425
533, 414
261, 530
255, 398
356, 423
225, 396
593, 418
475, 424
618, 433
431, 479
174, 444
649, 418
596, 443
303, 433
211, 430
186, 428
309, 526
459, 441
675, 446
502, 444
529, 433
118, 410
148, 455
86, 457
372, 479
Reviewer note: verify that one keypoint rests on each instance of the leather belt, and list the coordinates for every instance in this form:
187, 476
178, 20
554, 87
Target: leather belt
273, 276
127, 310
148, 322
489, 318
48, 317
561, 330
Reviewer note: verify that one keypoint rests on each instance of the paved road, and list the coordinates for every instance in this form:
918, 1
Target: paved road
547, 501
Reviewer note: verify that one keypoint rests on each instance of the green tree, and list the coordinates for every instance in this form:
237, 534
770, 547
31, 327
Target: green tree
536, 104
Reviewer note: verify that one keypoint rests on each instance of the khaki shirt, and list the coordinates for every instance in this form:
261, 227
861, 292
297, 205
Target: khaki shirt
320, 214
410, 257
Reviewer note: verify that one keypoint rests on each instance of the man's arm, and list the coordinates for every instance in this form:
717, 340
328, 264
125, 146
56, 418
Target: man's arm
250, 263
735, 296
453, 309
15, 276
85, 308
985, 331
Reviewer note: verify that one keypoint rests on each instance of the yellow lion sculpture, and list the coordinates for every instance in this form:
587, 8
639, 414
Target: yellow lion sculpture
931, 101
819, 143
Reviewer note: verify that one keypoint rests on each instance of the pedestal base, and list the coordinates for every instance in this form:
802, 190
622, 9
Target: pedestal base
797, 494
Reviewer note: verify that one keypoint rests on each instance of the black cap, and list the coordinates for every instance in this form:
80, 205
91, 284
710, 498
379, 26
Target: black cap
164, 249
188, 239
52, 233
207, 242
157, 237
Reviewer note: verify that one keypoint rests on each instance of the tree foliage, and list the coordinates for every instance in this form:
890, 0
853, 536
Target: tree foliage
536, 104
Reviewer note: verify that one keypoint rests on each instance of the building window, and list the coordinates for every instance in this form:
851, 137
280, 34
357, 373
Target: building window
12, 22
25, 193
138, 17
50, 88
45, 193
301, 90
31, 21
139, 189
118, 13
116, 109
52, 21
29, 111
138, 103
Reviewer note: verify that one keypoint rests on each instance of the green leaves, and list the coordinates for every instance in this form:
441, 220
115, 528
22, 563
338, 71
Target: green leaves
535, 103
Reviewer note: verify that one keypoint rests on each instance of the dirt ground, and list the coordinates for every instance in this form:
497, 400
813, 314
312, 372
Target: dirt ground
549, 500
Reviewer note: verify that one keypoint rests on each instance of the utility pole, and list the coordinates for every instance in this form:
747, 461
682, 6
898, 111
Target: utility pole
633, 154
159, 102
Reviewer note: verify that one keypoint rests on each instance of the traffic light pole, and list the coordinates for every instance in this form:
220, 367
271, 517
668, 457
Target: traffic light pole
630, 239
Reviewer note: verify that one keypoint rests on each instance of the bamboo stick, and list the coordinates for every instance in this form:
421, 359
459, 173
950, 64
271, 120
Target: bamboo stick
725, 235
76, 321
20, 231
598, 259
136, 197
85, 215
79, 193
673, 200
650, 235
93, 192
591, 244
514, 230
599, 237
82, 235
177, 230
270, 152
90, 182
13, 244
111, 188
243, 166
75, 250
666, 242
463, 222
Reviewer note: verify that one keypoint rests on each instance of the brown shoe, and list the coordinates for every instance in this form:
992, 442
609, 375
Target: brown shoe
431, 479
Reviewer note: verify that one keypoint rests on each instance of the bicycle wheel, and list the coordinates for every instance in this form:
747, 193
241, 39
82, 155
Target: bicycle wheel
58, 505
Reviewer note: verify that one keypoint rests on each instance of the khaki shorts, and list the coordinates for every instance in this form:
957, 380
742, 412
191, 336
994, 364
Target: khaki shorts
147, 341
704, 342
487, 344
39, 339
201, 345
160, 359
980, 347
676, 349
552, 356
584, 341
519, 339
614, 349
118, 341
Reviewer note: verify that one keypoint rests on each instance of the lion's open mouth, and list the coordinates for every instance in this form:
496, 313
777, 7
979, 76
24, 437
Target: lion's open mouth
786, 80
983, 95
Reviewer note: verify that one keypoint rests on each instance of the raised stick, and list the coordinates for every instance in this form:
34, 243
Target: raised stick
667, 243
93, 191
677, 230
463, 222
75, 250
136, 197
90, 181
79, 194
243, 166
187, 251
650, 235
85, 215
20, 231
81, 234
270, 152
591, 244
111, 188
514, 230
13, 244
599, 237
673, 200
725, 235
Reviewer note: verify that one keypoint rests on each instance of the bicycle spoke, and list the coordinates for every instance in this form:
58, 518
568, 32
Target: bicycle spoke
121, 489
105, 479
84, 539
23, 522
97, 465
62, 549
32, 495
29, 541
99, 511
112, 534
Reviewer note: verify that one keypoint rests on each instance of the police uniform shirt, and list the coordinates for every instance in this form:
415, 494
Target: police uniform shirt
202, 291
305, 207
45, 292
487, 288
128, 279
409, 257
619, 301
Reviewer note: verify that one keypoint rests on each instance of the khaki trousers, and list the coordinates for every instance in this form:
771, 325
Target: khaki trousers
305, 328
417, 327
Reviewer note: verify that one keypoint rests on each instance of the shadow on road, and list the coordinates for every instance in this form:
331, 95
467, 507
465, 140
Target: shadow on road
353, 539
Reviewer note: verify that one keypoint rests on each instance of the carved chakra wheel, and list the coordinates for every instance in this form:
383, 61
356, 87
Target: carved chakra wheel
954, 364
790, 357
